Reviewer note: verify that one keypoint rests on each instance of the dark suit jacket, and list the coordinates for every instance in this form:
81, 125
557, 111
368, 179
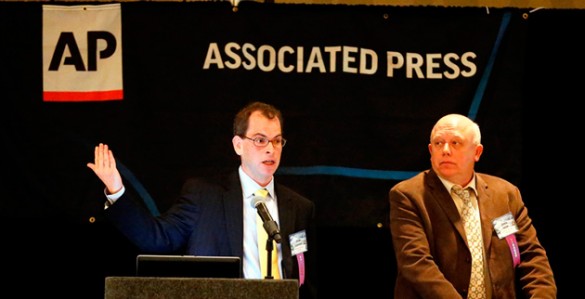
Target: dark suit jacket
432, 256
207, 219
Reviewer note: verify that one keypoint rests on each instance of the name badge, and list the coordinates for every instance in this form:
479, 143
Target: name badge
505, 225
298, 242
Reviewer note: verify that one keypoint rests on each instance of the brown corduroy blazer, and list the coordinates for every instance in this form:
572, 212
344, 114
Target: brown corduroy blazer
433, 260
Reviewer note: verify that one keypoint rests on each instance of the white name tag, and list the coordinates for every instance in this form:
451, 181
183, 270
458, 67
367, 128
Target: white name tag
505, 225
298, 242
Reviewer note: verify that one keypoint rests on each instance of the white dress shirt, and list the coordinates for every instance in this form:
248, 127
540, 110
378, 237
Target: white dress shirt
251, 261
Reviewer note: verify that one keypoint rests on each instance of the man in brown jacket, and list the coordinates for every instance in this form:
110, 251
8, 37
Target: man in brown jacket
429, 234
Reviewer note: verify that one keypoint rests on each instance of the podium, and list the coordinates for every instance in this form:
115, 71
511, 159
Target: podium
130, 287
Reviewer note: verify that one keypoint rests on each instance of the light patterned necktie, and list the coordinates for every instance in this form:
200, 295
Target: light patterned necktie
475, 243
262, 239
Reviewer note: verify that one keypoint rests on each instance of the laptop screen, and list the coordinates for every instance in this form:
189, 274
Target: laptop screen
153, 265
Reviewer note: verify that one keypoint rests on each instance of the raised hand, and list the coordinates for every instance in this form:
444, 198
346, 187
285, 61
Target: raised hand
104, 167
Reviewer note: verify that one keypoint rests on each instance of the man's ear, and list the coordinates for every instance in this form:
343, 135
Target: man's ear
478, 152
237, 143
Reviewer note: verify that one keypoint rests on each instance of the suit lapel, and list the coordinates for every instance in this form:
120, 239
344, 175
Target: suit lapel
444, 200
286, 214
486, 210
232, 200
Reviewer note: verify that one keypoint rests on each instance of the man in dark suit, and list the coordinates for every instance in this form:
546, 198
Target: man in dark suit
430, 237
217, 217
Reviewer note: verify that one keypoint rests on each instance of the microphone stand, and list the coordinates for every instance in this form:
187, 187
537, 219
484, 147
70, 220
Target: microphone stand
269, 247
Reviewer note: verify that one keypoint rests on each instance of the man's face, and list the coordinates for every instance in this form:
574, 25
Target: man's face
259, 162
453, 154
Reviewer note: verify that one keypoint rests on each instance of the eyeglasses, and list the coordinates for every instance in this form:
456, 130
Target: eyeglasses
263, 141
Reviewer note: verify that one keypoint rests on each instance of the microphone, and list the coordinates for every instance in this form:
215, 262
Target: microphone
270, 225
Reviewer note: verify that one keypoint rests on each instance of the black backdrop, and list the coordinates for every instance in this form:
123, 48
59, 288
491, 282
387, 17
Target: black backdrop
351, 136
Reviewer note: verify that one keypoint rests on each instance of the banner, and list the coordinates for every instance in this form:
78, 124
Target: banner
82, 53
360, 88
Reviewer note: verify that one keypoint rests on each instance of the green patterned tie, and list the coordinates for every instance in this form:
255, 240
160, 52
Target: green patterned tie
475, 243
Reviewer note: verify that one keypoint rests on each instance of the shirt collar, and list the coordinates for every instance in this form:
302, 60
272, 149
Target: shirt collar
450, 185
249, 186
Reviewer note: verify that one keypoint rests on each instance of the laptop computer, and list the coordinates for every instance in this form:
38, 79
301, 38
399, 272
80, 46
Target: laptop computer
153, 265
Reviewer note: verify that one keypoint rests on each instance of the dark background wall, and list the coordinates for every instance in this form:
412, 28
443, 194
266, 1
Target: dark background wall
50, 206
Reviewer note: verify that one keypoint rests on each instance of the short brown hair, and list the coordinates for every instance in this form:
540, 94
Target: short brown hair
241, 120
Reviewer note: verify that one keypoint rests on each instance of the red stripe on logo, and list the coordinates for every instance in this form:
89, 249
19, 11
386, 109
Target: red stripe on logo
81, 96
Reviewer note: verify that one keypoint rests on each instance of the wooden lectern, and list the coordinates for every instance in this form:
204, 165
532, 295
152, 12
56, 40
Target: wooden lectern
127, 287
